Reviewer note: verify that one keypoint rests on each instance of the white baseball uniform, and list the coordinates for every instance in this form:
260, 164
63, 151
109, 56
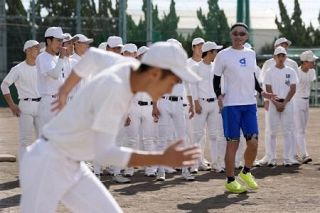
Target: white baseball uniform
24, 77
280, 81
52, 168
301, 108
209, 118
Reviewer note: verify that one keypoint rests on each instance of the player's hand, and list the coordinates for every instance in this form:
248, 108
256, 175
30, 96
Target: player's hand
62, 52
15, 110
128, 121
197, 107
60, 102
175, 156
191, 112
155, 113
268, 95
220, 102
266, 105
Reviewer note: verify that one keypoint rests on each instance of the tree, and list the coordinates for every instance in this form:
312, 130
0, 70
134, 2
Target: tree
215, 24
169, 23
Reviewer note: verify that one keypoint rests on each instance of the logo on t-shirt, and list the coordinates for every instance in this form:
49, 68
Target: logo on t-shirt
243, 62
287, 82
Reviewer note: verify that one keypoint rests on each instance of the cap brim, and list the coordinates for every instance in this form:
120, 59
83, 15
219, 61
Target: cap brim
186, 74
196, 43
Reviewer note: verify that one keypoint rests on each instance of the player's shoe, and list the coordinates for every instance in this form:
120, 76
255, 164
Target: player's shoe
262, 162
272, 163
287, 162
170, 170
128, 172
305, 159
249, 180
187, 176
294, 161
194, 170
204, 167
235, 187
120, 179
161, 176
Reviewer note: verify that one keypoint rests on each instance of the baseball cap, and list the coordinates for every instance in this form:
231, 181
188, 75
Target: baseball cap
282, 40
197, 41
114, 41
209, 45
30, 43
103, 46
175, 41
129, 48
83, 38
55, 32
170, 56
280, 50
142, 50
308, 56
68, 37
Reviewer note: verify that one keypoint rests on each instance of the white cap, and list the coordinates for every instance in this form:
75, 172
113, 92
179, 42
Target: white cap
29, 43
308, 56
131, 48
282, 40
114, 41
175, 41
55, 32
170, 56
83, 38
247, 45
142, 50
209, 45
68, 37
197, 41
280, 50
103, 46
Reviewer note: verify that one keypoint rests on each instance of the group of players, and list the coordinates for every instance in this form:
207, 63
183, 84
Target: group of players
212, 109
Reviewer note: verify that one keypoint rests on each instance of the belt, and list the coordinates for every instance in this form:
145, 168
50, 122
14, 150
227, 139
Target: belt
184, 105
32, 99
208, 99
306, 98
280, 100
173, 98
144, 103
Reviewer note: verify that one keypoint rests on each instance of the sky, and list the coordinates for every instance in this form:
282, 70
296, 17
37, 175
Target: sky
263, 12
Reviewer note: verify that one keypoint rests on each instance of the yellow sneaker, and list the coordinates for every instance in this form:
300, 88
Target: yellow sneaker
249, 180
235, 187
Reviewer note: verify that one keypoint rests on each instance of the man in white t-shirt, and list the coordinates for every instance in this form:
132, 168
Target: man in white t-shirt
281, 80
306, 75
238, 104
50, 72
207, 115
53, 171
24, 76
269, 147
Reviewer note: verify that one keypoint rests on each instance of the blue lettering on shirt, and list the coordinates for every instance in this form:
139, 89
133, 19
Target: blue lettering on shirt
243, 62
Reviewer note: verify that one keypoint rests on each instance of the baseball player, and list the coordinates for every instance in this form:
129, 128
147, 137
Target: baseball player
306, 75
239, 111
141, 51
269, 147
24, 76
114, 44
281, 80
81, 46
172, 121
50, 72
206, 107
53, 171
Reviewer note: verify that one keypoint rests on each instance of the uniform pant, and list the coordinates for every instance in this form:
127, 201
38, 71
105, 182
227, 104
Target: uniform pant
286, 121
28, 121
301, 116
48, 177
210, 119
45, 113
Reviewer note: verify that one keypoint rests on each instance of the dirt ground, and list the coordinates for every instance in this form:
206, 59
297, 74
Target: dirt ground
282, 189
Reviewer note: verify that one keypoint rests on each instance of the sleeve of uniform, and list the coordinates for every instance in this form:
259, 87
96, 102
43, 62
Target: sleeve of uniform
218, 65
194, 86
45, 67
295, 79
263, 71
8, 80
266, 78
313, 75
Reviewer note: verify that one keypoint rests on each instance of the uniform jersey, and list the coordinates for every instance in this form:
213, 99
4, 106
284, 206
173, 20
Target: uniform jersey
97, 111
24, 76
238, 68
304, 85
280, 80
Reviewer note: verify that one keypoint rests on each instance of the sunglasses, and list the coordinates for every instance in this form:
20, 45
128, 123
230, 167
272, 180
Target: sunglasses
235, 33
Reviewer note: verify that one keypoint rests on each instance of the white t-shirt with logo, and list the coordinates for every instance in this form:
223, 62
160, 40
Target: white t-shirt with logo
304, 85
203, 88
98, 108
24, 76
237, 68
280, 80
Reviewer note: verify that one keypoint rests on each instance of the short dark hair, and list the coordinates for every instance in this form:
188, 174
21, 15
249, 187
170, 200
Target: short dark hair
239, 24
204, 54
165, 72
45, 39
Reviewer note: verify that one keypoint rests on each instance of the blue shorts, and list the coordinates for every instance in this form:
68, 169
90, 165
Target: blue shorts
236, 118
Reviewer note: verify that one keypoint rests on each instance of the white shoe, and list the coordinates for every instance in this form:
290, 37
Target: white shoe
262, 162
89, 165
120, 179
128, 172
287, 162
170, 170
161, 176
194, 170
205, 161
272, 163
188, 176
151, 174
109, 170
204, 167
294, 161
